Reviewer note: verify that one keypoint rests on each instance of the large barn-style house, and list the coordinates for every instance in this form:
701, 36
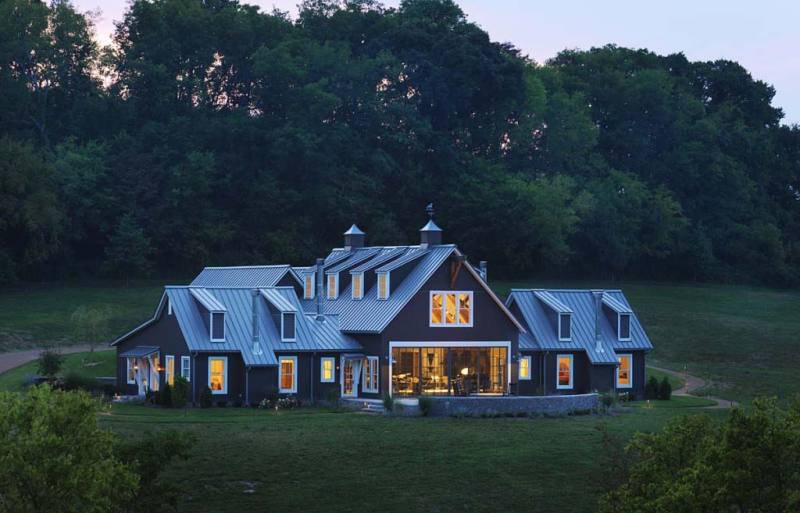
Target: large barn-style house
367, 321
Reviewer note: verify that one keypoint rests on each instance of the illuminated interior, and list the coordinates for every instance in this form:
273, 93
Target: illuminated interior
451, 309
357, 286
327, 369
309, 286
383, 286
449, 371
287, 374
565, 371
525, 367
216, 380
624, 371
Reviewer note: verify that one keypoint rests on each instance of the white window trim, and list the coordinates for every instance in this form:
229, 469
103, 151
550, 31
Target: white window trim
560, 337
571, 371
292, 390
357, 294
335, 288
364, 369
225, 375
129, 365
322, 361
458, 308
388, 286
188, 360
530, 362
283, 319
630, 370
169, 358
211, 326
308, 294
619, 327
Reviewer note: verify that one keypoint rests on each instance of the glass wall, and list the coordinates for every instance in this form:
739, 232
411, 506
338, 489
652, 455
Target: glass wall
449, 371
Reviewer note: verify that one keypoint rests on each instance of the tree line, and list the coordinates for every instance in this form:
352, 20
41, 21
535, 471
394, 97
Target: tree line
212, 133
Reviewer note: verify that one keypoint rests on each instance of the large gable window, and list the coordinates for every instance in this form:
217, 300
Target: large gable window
217, 327
450, 309
326, 369
383, 285
218, 374
525, 368
288, 327
333, 286
287, 380
564, 326
624, 376
624, 327
564, 376
358, 285
308, 286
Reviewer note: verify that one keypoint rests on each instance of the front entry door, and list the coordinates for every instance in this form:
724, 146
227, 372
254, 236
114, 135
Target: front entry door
351, 374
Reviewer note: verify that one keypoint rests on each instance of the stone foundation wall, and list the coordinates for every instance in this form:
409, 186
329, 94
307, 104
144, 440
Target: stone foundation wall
543, 405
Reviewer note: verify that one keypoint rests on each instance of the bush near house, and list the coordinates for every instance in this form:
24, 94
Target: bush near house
180, 392
166, 396
665, 390
651, 388
205, 398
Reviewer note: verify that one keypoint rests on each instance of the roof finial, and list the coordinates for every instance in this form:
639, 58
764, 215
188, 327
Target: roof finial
429, 210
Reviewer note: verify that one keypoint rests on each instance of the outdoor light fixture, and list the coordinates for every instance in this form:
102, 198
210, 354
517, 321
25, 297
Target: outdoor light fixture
464, 371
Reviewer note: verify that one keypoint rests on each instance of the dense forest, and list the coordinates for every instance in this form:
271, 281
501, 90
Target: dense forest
212, 133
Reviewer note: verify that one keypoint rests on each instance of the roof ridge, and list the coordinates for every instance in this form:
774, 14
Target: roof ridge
264, 266
563, 290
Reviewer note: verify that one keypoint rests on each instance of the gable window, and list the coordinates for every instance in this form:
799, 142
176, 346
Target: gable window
326, 369
371, 375
288, 327
624, 376
131, 370
217, 326
450, 309
383, 285
564, 377
287, 380
170, 370
308, 286
218, 374
358, 285
525, 368
333, 286
624, 327
186, 368
564, 326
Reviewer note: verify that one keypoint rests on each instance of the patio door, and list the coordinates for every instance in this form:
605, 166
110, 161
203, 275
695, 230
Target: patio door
351, 375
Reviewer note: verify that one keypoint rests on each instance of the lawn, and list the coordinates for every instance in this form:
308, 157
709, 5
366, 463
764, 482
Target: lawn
676, 382
101, 363
313, 460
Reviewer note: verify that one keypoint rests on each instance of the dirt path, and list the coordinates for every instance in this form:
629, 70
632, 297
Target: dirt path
692, 383
9, 361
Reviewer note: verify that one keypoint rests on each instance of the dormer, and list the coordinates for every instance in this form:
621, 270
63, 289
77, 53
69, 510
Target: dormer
564, 327
383, 284
560, 315
308, 285
283, 312
619, 315
396, 271
332, 290
288, 326
216, 313
357, 285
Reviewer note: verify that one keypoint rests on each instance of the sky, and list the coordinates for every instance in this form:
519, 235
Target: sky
762, 36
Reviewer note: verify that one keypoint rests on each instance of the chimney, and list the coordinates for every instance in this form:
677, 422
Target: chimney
320, 286
430, 234
354, 238
598, 305
256, 338
483, 266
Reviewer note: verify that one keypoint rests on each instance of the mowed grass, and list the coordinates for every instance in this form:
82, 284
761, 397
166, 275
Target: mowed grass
98, 364
745, 341
676, 382
313, 460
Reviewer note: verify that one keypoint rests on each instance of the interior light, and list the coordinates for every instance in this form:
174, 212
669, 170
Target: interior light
464, 371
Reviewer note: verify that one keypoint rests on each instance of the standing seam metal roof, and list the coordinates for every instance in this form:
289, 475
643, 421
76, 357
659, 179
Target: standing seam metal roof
241, 276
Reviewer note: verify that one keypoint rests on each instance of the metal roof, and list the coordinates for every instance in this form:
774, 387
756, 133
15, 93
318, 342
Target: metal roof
207, 300
354, 230
550, 300
615, 305
241, 276
356, 258
410, 256
430, 226
278, 301
139, 352
381, 258
582, 305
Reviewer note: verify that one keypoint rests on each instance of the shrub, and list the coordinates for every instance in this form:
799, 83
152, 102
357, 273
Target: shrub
77, 381
205, 398
607, 400
388, 403
222, 403
180, 392
425, 406
271, 396
651, 388
49, 363
665, 390
333, 397
166, 396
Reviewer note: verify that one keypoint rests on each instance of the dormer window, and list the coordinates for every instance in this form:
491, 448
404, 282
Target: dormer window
383, 285
358, 285
564, 327
308, 286
333, 286
217, 326
288, 327
624, 326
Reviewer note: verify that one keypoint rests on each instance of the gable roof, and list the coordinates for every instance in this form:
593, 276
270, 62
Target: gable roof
208, 301
243, 276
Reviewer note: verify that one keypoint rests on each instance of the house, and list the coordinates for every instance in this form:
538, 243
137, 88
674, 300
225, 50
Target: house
367, 321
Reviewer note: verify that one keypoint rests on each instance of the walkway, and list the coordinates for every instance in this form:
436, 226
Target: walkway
692, 383
9, 361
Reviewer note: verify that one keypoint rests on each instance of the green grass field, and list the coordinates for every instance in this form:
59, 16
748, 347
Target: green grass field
101, 363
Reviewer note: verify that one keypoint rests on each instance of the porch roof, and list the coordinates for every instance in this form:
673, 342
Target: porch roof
139, 352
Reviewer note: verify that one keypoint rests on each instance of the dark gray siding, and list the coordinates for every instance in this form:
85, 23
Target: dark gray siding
236, 377
534, 385
603, 377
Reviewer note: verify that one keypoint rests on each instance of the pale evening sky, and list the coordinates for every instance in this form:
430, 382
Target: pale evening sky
762, 36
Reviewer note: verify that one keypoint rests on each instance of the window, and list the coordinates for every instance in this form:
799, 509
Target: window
451, 309
287, 379
288, 327
308, 286
525, 368
217, 327
564, 378
186, 368
333, 286
358, 286
624, 328
564, 326
218, 374
326, 369
131, 370
624, 376
170, 373
383, 285
371, 375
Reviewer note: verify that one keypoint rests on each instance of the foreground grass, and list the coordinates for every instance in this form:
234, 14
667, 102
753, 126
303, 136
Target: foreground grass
101, 363
315, 460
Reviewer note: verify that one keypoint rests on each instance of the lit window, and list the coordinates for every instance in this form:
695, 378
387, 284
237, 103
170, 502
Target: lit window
358, 286
451, 309
131, 370
333, 286
624, 377
218, 374
371, 375
170, 373
287, 380
525, 368
326, 369
308, 289
217, 326
155, 381
288, 327
624, 328
564, 326
186, 368
564, 371
383, 285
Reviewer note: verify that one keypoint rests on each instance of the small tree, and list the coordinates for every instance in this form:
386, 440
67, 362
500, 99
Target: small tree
90, 324
166, 396
49, 363
180, 392
651, 388
665, 390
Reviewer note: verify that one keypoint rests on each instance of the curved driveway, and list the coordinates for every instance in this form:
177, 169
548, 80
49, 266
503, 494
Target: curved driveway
9, 361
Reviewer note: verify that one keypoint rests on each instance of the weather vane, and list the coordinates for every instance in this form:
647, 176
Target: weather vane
429, 210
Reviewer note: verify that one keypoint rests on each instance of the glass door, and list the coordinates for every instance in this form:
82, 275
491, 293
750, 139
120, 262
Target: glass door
349, 380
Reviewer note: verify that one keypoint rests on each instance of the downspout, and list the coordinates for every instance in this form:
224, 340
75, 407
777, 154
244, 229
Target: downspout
247, 386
